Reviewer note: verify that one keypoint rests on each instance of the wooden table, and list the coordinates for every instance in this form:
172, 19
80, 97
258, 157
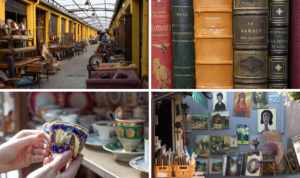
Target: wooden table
68, 48
105, 165
19, 63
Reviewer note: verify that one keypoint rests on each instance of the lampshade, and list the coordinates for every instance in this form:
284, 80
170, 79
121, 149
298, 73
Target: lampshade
86, 5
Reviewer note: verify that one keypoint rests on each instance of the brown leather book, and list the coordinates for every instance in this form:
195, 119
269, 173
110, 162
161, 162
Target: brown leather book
213, 44
250, 43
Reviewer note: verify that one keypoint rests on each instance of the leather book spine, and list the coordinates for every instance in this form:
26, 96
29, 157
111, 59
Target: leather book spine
213, 44
161, 45
294, 45
183, 47
278, 43
250, 43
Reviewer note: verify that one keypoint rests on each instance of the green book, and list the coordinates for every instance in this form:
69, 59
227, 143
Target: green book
183, 46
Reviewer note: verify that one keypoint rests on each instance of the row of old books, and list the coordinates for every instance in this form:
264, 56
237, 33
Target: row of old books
210, 44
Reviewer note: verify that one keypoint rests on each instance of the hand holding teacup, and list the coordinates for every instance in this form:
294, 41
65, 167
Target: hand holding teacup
65, 136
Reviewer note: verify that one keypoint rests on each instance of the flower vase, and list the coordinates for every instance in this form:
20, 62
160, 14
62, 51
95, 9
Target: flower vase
255, 146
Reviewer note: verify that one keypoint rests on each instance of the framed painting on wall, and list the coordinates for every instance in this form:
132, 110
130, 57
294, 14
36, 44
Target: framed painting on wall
274, 97
254, 142
233, 141
188, 123
217, 145
219, 101
202, 145
266, 120
215, 165
291, 159
220, 120
199, 121
260, 100
242, 104
243, 134
202, 165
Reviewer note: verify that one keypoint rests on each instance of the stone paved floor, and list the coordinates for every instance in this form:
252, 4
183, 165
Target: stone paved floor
72, 75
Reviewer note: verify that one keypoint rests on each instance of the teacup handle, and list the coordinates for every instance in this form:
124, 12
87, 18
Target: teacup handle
110, 115
46, 126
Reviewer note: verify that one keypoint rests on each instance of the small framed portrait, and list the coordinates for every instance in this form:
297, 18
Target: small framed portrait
242, 104
260, 100
267, 120
219, 101
233, 141
291, 159
253, 168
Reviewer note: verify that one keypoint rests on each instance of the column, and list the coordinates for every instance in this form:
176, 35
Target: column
31, 20
2, 10
67, 26
145, 43
59, 26
135, 34
47, 19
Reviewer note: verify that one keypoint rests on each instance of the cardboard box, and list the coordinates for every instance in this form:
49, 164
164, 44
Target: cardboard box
36, 66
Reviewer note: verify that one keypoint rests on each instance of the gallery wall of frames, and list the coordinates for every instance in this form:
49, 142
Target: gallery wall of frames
251, 121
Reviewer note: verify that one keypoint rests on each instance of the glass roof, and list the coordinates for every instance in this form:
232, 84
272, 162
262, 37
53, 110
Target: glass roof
103, 10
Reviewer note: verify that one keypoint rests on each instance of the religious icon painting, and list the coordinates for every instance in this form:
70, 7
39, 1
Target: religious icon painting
199, 121
234, 165
252, 166
219, 101
202, 165
290, 157
242, 104
243, 134
220, 120
202, 145
260, 100
267, 120
217, 145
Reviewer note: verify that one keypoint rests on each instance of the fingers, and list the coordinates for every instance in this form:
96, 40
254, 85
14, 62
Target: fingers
36, 158
72, 168
25, 133
26, 141
40, 151
61, 160
46, 161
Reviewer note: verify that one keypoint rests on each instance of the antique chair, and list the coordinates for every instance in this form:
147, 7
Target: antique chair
6, 81
17, 83
269, 155
26, 32
77, 49
14, 29
6, 35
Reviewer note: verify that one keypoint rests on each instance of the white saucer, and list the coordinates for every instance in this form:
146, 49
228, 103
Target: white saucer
139, 164
117, 149
94, 141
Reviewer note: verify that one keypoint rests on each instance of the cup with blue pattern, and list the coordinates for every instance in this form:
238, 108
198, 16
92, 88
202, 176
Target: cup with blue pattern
65, 136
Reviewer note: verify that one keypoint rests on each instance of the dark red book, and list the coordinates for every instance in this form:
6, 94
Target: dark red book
161, 44
294, 51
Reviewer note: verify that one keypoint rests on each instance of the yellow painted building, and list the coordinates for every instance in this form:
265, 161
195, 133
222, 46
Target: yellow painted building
31, 20
133, 7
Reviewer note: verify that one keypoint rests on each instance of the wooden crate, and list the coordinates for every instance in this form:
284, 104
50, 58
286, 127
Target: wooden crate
36, 66
184, 170
163, 171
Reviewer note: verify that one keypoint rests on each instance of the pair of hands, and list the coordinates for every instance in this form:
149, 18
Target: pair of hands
18, 153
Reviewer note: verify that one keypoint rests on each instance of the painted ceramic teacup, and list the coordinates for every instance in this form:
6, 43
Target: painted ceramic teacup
130, 131
105, 130
65, 136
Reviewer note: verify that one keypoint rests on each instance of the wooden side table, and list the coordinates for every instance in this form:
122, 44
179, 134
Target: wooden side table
37, 74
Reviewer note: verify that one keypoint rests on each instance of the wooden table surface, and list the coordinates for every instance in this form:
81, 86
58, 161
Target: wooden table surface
19, 63
104, 164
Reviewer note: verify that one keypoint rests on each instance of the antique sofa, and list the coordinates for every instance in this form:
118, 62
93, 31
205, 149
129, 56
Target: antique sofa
110, 80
